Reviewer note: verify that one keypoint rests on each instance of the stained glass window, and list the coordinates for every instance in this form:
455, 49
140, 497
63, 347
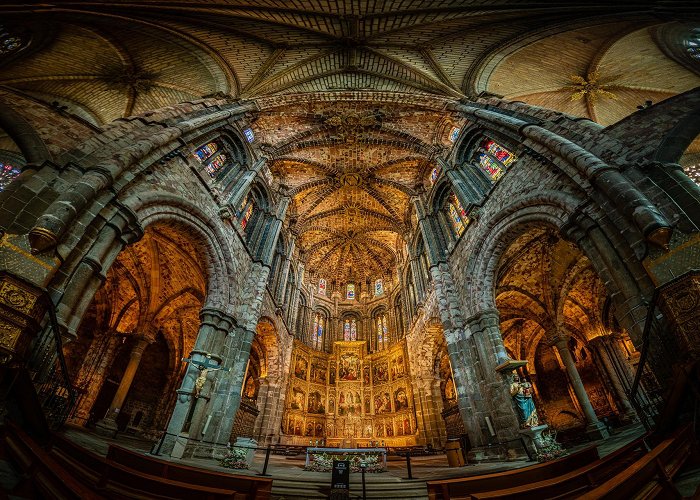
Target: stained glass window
314, 331
353, 330
346, 330
458, 216
382, 337
246, 212
7, 174
434, 174
214, 166
379, 287
322, 286
454, 133
499, 152
319, 333
490, 166
350, 291
250, 137
206, 151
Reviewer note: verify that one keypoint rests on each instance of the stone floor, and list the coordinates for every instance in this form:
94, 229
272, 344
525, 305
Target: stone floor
292, 482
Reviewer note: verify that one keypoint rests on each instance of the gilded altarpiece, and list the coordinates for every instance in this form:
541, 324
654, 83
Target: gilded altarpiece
349, 397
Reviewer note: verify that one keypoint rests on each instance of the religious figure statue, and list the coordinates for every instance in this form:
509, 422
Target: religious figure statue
199, 383
521, 390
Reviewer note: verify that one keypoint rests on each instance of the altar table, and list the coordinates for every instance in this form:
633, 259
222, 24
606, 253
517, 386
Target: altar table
345, 453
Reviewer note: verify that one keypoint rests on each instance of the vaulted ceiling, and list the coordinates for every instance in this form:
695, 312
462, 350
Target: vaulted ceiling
350, 163
351, 169
110, 59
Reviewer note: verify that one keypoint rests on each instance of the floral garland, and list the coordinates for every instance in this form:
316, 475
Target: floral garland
548, 448
235, 458
323, 462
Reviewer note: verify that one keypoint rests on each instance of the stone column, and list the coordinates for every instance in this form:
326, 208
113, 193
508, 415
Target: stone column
242, 186
108, 425
226, 396
495, 386
428, 406
601, 345
595, 428
212, 331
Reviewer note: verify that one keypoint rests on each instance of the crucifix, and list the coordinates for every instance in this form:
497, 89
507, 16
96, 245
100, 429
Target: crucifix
204, 366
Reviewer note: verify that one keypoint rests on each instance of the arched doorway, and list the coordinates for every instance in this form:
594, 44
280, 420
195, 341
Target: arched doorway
126, 359
550, 303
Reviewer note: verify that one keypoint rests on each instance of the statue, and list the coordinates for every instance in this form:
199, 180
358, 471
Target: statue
522, 395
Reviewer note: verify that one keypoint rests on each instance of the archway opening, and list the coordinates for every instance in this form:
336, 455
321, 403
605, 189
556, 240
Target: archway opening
126, 359
551, 304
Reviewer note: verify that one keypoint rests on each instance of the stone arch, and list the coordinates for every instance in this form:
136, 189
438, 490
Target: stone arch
677, 140
25, 137
549, 208
160, 207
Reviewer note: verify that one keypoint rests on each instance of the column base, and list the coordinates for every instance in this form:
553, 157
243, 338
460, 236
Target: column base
597, 431
106, 427
197, 449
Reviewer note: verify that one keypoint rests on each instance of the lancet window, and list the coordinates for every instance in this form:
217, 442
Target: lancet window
494, 159
382, 332
458, 216
246, 211
379, 287
350, 330
317, 332
322, 286
350, 291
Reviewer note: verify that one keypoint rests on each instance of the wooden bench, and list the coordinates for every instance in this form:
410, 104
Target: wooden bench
652, 475
113, 480
464, 487
245, 486
575, 482
48, 477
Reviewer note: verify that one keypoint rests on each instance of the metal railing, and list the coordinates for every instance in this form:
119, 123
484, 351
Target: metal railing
655, 374
49, 373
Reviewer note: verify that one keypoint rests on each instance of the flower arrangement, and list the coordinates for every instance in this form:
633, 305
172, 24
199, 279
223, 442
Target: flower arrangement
323, 462
235, 458
548, 448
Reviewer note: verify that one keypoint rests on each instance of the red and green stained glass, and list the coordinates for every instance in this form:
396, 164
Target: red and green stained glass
499, 152
492, 168
8, 173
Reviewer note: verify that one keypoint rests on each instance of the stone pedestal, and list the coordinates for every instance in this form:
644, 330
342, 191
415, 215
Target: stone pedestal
249, 444
533, 438
180, 445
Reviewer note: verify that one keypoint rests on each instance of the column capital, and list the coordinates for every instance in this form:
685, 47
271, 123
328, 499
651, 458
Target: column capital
141, 342
489, 315
217, 318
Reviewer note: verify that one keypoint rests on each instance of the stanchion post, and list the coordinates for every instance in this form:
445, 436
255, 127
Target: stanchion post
267, 459
408, 464
160, 444
363, 466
